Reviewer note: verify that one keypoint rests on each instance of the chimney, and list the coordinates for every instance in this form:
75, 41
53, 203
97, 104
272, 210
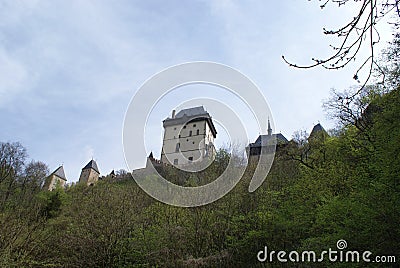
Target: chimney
173, 114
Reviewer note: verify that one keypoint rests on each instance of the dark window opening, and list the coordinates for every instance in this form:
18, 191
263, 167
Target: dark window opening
190, 133
191, 158
178, 146
175, 161
198, 132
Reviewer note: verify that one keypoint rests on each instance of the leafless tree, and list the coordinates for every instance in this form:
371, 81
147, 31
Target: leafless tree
357, 33
35, 174
12, 157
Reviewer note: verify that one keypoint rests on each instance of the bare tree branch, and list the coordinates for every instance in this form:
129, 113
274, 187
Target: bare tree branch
359, 32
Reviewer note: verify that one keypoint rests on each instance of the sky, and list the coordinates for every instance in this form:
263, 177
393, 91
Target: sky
69, 69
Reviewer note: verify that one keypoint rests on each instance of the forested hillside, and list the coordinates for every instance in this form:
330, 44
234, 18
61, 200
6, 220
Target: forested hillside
321, 189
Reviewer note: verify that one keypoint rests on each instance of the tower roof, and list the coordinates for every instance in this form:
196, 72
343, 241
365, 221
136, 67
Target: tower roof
194, 111
316, 129
59, 172
264, 140
190, 115
92, 164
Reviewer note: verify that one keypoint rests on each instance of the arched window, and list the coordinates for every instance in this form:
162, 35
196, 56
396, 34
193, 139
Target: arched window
198, 132
178, 146
190, 133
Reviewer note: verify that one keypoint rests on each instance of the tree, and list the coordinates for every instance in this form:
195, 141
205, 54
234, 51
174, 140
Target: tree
357, 33
389, 64
35, 174
12, 158
353, 106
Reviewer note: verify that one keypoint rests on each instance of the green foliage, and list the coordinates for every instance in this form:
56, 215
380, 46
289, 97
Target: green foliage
320, 189
52, 202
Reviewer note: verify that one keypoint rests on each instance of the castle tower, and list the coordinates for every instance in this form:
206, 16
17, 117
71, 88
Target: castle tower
55, 179
90, 173
188, 137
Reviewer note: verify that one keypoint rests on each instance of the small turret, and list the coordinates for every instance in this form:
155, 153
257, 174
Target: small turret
269, 128
55, 179
90, 173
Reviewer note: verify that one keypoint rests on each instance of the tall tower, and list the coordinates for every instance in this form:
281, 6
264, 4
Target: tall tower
55, 179
188, 137
90, 173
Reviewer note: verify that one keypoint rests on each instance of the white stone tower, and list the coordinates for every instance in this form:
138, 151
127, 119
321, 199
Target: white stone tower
188, 137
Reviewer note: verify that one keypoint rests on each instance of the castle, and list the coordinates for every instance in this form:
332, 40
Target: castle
188, 138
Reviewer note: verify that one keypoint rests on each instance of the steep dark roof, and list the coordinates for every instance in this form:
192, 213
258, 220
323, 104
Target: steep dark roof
59, 172
92, 164
191, 115
264, 140
316, 129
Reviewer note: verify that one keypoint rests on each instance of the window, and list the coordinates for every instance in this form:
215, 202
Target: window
191, 158
190, 133
174, 128
194, 125
178, 146
184, 126
198, 132
175, 161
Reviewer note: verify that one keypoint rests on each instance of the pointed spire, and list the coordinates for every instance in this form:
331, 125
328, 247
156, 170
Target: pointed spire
151, 155
269, 128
